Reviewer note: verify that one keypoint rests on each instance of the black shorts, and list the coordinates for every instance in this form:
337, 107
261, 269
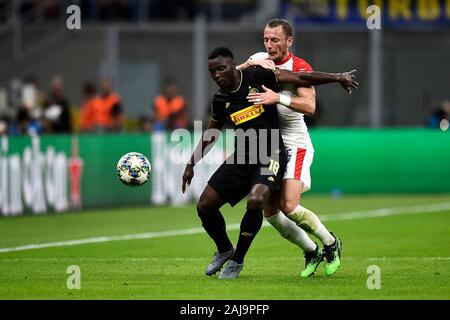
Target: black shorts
233, 181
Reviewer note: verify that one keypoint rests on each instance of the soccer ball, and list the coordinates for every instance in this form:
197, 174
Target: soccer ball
133, 169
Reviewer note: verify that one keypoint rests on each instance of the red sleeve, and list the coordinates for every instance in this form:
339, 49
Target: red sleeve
301, 65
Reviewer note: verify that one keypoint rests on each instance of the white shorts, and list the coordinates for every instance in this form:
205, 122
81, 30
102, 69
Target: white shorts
298, 166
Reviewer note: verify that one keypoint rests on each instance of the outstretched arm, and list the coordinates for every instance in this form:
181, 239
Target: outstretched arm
305, 79
208, 137
315, 78
304, 101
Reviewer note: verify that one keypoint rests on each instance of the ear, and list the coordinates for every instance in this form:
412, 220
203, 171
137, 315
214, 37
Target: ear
290, 41
233, 63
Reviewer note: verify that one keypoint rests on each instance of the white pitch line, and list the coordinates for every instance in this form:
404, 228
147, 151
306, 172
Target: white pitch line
383, 212
409, 258
136, 236
83, 259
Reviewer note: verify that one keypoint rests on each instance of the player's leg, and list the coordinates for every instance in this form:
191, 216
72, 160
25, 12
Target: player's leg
208, 209
213, 222
304, 218
298, 180
252, 220
229, 184
286, 227
250, 225
311, 223
291, 192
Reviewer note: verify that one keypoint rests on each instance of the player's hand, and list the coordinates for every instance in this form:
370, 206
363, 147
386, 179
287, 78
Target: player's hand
187, 176
266, 97
348, 81
267, 63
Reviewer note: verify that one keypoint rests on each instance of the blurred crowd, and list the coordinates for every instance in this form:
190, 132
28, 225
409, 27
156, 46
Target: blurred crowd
168, 110
26, 109
29, 109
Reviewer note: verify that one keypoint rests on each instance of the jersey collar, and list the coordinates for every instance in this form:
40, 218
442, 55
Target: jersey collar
290, 55
240, 82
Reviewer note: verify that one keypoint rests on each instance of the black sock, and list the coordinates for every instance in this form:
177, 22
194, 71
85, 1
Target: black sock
214, 224
250, 225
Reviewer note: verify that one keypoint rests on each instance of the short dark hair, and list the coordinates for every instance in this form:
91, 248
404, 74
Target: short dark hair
287, 27
220, 51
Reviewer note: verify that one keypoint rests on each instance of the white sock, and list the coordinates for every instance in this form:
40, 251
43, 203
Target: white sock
292, 232
310, 222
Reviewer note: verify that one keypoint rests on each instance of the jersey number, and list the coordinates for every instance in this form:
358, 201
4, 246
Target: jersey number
274, 166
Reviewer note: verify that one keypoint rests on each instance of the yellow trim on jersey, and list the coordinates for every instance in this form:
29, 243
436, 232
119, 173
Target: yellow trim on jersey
240, 82
247, 114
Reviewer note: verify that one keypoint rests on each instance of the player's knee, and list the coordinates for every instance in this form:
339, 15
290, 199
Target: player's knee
255, 201
209, 200
288, 206
200, 209
203, 206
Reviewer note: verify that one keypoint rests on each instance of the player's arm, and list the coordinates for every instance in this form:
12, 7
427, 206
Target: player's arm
305, 101
265, 63
316, 78
209, 137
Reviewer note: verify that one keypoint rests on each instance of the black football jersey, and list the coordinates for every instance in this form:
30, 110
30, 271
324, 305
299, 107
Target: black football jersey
256, 126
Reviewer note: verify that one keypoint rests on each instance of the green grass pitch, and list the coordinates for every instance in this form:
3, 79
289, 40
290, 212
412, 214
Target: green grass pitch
411, 250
